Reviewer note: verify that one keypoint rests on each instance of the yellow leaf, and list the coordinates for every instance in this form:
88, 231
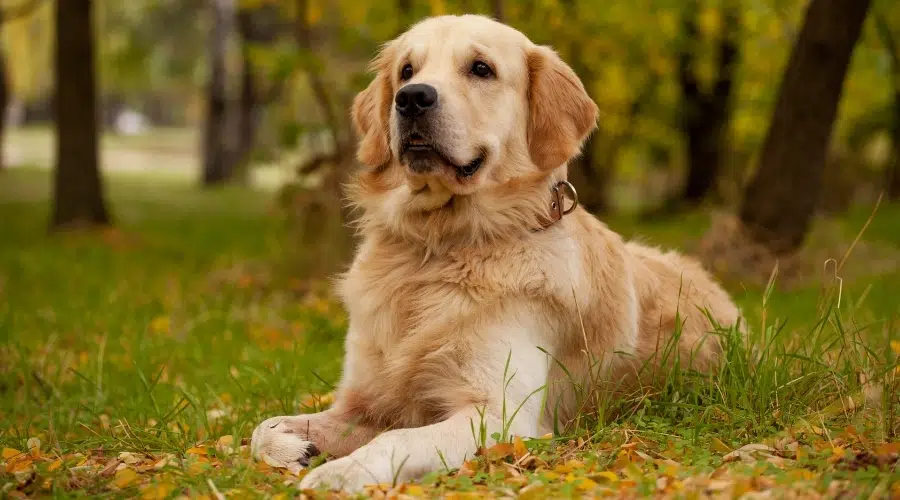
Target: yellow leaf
414, 490
519, 448
499, 451
11, 453
533, 491
608, 475
719, 446
562, 469
18, 466
837, 453
225, 444
160, 324
575, 464
157, 491
196, 468
55, 465
318, 399
125, 477
196, 451
584, 484
895, 346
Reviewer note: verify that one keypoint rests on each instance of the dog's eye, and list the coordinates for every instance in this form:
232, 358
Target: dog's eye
406, 73
481, 69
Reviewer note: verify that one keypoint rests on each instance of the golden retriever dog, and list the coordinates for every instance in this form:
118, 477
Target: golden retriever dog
476, 280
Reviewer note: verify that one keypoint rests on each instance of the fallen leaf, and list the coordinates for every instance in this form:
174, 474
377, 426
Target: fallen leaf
413, 490
837, 453
887, 449
533, 491
34, 446
749, 453
166, 460
225, 444
9, 453
19, 466
196, 468
128, 458
55, 465
719, 446
499, 451
607, 475
110, 468
582, 483
519, 448
157, 491
160, 324
468, 469
125, 478
196, 451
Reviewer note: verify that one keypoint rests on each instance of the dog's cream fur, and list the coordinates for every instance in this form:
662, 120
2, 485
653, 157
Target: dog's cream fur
460, 280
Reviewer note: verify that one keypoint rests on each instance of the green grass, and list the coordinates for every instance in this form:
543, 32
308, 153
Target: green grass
160, 337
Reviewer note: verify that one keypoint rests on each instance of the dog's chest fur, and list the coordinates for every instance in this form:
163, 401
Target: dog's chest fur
418, 325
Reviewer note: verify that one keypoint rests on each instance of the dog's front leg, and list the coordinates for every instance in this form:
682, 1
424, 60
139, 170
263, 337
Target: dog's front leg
405, 454
512, 373
292, 441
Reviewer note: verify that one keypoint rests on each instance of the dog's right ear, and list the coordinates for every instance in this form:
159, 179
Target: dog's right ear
371, 113
562, 112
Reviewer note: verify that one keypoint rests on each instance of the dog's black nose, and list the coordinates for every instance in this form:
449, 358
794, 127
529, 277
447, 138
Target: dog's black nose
415, 99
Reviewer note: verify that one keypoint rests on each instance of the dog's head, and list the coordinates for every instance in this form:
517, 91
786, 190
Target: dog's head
463, 115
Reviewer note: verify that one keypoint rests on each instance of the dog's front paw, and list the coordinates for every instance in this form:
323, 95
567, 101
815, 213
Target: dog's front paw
281, 442
345, 474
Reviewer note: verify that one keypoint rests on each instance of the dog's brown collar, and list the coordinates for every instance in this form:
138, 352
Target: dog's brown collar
558, 195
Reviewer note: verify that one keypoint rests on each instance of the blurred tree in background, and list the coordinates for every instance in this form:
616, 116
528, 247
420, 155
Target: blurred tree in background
886, 32
702, 101
782, 196
78, 189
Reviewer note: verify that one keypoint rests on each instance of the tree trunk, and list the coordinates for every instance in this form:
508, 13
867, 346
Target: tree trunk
781, 199
590, 181
248, 118
4, 103
254, 29
705, 115
892, 172
218, 160
78, 188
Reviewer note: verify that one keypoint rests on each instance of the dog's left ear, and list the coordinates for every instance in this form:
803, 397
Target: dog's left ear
562, 112
371, 113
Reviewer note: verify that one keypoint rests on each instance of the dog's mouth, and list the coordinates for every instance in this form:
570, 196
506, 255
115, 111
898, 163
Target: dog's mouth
419, 146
